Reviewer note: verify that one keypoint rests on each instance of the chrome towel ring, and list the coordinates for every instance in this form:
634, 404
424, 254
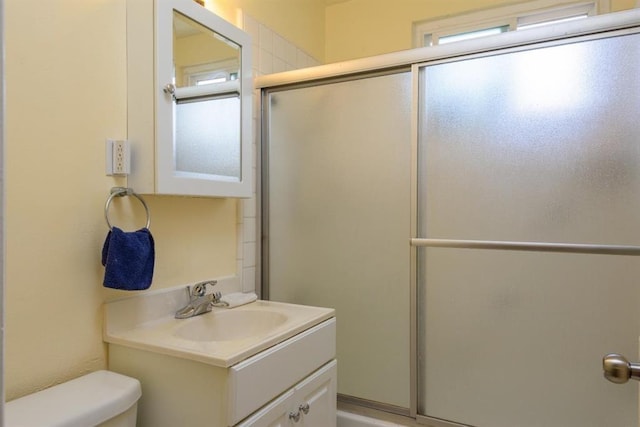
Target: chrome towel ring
121, 192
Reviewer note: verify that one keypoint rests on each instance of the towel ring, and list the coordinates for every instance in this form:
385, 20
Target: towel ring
121, 192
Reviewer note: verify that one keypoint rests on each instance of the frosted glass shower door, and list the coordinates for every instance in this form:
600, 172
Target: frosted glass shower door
538, 145
338, 210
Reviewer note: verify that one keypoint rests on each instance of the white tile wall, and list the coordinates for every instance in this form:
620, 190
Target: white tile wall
272, 53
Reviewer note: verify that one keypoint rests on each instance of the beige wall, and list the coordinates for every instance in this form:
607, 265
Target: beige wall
360, 28
303, 24
66, 93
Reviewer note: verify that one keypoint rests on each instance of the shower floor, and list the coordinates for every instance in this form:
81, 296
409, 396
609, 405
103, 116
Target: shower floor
350, 415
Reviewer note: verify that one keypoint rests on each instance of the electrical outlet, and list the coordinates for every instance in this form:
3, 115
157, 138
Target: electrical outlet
118, 157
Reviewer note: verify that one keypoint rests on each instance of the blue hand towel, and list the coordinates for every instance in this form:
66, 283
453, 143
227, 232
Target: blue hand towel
128, 258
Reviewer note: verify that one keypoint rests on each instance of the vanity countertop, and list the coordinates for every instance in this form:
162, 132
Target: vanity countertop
221, 338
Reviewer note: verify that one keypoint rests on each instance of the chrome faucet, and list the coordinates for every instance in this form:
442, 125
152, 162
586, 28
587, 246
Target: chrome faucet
199, 301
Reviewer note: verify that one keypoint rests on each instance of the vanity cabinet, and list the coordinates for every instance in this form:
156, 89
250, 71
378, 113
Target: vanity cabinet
311, 403
292, 383
189, 101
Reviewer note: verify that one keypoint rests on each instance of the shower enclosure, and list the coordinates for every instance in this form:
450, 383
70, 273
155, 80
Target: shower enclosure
471, 212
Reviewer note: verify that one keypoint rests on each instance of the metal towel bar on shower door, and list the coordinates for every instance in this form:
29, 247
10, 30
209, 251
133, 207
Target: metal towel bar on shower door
528, 246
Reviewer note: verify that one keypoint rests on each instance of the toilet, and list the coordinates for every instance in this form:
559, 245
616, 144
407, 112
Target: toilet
101, 398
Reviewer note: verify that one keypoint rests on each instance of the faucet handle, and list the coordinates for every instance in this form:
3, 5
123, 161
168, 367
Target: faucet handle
199, 289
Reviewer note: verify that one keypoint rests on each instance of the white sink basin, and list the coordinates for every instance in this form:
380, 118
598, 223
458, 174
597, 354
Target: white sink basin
230, 325
223, 337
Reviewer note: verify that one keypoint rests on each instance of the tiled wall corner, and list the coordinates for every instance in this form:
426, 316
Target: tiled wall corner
273, 53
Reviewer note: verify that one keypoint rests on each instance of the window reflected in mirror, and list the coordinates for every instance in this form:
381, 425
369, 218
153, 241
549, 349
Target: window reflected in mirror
202, 56
206, 101
208, 139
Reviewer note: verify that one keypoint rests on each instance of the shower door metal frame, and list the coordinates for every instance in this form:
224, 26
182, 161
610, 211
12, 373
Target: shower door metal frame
602, 26
541, 41
263, 200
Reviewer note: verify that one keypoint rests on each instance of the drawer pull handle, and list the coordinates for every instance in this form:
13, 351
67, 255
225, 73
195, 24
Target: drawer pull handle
304, 408
295, 417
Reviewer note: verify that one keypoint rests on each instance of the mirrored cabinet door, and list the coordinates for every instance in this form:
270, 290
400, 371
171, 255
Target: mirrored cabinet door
197, 110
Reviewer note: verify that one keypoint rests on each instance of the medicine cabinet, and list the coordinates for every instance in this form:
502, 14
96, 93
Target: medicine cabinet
189, 100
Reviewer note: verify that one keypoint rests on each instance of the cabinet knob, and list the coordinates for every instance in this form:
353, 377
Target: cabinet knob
304, 408
295, 417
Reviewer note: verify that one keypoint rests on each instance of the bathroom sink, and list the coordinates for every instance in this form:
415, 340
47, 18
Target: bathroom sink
230, 325
223, 337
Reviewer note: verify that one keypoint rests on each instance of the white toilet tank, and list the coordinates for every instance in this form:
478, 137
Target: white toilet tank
102, 398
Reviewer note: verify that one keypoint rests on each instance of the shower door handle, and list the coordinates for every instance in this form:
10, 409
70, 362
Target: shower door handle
619, 370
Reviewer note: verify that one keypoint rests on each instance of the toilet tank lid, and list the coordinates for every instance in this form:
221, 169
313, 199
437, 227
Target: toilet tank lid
85, 401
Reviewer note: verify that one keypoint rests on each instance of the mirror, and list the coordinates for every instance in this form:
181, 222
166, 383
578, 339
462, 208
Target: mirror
189, 101
207, 100
201, 56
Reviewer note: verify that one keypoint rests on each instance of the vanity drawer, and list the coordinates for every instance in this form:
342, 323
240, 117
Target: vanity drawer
259, 379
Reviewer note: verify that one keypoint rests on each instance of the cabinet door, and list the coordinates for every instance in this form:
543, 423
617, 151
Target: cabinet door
318, 391
189, 101
275, 414
312, 402
254, 382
